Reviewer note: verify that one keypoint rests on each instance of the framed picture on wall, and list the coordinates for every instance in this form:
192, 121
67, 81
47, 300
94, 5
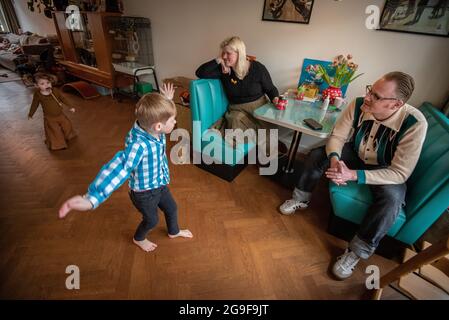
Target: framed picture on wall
416, 16
297, 11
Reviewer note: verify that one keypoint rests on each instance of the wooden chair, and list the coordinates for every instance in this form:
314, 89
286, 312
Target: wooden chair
412, 284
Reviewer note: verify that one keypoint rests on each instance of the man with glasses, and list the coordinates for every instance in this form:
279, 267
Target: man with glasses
376, 141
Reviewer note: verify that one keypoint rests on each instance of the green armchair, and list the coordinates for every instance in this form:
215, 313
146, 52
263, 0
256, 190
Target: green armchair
208, 104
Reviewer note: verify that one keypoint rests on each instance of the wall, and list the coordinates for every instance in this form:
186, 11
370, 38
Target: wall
33, 21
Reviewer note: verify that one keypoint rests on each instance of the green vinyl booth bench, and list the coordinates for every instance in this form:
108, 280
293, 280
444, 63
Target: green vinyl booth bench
208, 103
427, 195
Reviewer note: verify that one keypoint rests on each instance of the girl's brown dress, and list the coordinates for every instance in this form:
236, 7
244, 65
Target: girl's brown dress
58, 128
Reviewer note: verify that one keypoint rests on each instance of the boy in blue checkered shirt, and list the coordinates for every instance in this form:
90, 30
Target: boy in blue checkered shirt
144, 162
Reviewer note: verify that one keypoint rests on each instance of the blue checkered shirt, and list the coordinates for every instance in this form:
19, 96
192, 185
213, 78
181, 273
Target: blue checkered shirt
144, 162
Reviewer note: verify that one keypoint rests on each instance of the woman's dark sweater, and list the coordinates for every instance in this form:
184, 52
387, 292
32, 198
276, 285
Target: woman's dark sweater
256, 83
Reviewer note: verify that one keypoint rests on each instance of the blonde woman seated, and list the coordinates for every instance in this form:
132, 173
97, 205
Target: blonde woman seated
247, 83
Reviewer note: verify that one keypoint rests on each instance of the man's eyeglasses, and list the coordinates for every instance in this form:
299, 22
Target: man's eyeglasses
375, 96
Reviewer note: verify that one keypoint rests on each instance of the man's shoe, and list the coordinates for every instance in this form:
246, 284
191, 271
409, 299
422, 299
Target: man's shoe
290, 206
345, 264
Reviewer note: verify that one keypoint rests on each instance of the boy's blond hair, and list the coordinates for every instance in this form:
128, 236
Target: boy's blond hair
153, 108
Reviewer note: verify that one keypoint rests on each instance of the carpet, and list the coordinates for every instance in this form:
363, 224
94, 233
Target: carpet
8, 76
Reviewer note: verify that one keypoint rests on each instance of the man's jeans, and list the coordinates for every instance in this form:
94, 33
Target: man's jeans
147, 203
387, 199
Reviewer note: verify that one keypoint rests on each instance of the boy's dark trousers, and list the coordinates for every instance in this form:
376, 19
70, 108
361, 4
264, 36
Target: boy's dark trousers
147, 202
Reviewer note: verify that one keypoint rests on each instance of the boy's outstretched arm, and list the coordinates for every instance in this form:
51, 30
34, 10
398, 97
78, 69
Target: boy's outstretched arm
111, 176
77, 203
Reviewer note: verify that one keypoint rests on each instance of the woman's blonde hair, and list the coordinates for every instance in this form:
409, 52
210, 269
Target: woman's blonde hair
153, 108
236, 44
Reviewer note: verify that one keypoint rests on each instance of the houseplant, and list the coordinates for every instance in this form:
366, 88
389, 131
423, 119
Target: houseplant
338, 74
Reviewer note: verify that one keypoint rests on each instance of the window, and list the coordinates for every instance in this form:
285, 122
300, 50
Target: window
3, 24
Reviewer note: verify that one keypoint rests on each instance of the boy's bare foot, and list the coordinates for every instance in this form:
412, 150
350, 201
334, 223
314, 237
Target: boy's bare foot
146, 245
182, 233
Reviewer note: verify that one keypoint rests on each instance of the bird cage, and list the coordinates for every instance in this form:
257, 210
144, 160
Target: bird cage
131, 40
132, 49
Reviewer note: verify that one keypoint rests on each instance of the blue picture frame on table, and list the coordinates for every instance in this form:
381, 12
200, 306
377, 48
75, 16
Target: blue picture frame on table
306, 77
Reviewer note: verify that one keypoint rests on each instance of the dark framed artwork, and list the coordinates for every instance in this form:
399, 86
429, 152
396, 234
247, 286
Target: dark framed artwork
296, 11
429, 17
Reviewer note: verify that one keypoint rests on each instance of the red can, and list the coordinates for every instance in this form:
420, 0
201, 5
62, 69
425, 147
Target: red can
282, 103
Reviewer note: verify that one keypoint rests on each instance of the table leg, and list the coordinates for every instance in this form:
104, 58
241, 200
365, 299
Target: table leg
292, 152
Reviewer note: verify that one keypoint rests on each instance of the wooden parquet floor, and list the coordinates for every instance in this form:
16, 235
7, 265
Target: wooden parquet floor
242, 249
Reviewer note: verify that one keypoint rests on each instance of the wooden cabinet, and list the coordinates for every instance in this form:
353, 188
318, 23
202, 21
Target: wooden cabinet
87, 47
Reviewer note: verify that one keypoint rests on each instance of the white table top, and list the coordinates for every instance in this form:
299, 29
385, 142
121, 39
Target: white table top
292, 117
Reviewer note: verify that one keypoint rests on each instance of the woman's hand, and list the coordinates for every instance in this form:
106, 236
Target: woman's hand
72, 110
168, 90
76, 203
224, 68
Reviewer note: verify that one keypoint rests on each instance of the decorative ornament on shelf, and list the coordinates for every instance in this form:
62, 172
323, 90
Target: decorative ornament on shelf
340, 73
41, 5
